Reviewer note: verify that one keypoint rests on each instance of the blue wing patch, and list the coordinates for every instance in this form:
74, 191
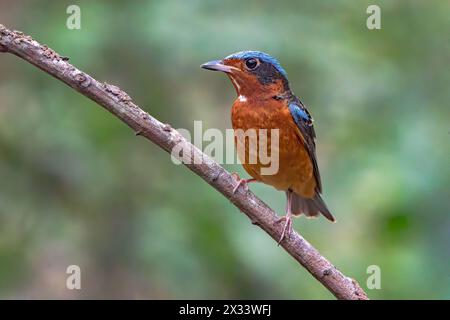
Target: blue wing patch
304, 122
301, 115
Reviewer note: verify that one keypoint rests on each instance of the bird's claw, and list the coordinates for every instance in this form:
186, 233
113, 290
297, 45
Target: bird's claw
287, 230
241, 182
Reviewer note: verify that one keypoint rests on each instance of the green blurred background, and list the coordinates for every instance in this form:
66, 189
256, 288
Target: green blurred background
77, 187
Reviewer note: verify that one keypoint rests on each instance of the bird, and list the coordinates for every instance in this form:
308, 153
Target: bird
266, 101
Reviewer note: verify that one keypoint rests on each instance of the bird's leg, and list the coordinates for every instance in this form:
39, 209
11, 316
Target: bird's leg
287, 230
241, 182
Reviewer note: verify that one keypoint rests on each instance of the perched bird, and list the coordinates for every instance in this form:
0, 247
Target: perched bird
265, 101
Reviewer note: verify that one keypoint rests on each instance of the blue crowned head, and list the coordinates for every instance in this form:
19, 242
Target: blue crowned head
252, 70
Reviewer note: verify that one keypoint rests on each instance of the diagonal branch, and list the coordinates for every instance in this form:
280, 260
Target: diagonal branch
121, 105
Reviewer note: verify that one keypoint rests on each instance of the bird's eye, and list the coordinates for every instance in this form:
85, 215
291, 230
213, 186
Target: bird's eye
251, 63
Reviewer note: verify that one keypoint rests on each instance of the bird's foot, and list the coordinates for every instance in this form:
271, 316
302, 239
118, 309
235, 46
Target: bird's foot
287, 230
241, 182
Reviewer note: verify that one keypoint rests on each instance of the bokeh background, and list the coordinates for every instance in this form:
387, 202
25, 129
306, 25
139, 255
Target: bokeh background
77, 187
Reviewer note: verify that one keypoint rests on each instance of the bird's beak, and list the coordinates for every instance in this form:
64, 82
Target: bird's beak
217, 65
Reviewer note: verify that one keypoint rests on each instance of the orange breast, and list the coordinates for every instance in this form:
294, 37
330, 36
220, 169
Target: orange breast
295, 170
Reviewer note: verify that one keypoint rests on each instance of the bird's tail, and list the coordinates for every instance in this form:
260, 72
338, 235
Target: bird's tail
310, 207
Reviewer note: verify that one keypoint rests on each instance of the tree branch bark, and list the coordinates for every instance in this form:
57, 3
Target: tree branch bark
121, 105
